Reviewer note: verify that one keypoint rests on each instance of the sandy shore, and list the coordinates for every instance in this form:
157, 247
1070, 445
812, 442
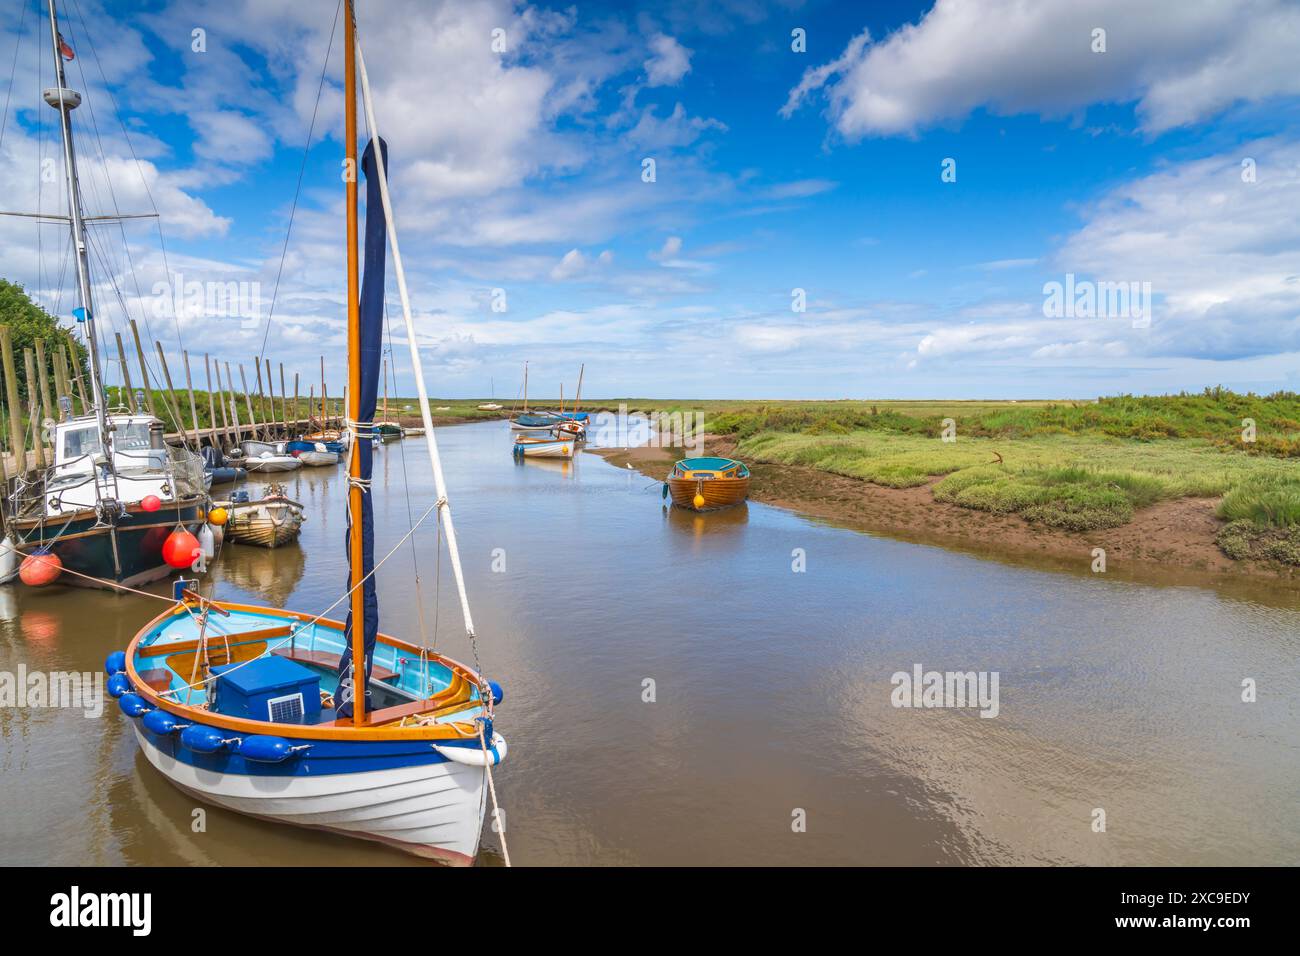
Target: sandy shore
1172, 542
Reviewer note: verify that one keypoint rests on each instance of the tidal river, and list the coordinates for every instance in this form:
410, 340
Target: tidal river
718, 689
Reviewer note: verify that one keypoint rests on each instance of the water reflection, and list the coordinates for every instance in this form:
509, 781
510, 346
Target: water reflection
726, 523
771, 689
271, 574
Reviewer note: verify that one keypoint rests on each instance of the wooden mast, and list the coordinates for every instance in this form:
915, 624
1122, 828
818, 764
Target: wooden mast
577, 398
354, 368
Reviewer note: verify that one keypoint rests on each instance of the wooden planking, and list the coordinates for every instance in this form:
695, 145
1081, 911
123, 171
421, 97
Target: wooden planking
263, 634
217, 655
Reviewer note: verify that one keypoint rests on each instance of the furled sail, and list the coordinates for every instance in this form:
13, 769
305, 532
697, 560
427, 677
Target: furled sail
372, 333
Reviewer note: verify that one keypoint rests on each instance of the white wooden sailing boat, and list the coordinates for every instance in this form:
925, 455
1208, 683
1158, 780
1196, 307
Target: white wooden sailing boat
560, 444
256, 709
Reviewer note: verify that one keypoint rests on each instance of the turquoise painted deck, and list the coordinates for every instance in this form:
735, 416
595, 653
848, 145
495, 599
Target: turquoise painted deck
413, 678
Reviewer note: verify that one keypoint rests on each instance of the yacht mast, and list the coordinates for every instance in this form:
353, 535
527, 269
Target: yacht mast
354, 372
65, 101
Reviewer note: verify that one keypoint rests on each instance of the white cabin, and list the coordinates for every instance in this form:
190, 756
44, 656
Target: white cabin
142, 464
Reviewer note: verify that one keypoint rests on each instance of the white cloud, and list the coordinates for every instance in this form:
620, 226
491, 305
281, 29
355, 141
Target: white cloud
1181, 61
669, 62
671, 248
799, 189
230, 137
675, 131
575, 264
1222, 261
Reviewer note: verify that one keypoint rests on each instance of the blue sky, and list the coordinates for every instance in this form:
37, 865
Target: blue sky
776, 170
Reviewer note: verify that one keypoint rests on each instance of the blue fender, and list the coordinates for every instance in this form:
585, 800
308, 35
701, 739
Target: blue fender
118, 684
162, 723
203, 740
133, 705
267, 749
115, 663
497, 693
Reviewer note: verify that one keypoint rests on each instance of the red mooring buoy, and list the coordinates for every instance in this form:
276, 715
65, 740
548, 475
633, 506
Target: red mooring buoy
181, 548
40, 569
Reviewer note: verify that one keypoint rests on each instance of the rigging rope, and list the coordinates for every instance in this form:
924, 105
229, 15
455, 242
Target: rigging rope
492, 789
13, 69
302, 168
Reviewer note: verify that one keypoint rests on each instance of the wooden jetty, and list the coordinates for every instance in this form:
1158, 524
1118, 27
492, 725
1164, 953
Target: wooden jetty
216, 416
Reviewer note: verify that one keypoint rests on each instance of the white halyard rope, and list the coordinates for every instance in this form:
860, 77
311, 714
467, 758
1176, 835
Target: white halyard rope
425, 414
492, 789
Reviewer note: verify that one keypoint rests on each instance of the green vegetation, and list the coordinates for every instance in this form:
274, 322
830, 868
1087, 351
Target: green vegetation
29, 323
1243, 539
1071, 465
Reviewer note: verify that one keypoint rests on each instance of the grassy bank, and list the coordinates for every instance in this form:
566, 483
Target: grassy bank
1073, 466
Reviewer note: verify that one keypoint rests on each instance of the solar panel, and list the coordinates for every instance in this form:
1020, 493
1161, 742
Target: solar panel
285, 710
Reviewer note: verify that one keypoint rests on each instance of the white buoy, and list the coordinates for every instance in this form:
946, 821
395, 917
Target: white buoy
9, 560
208, 541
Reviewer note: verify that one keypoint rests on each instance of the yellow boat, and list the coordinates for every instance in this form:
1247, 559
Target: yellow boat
706, 484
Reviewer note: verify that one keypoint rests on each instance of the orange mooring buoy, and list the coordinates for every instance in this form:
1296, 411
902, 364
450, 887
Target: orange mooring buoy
181, 548
40, 569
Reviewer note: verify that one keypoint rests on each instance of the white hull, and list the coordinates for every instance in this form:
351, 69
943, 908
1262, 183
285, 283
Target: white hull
272, 463
434, 811
269, 523
548, 449
256, 449
314, 459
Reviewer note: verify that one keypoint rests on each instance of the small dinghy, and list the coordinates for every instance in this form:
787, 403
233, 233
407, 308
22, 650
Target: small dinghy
256, 449
268, 462
559, 445
312, 454
269, 522
577, 429
334, 441
318, 459
706, 484
533, 423
218, 468
226, 474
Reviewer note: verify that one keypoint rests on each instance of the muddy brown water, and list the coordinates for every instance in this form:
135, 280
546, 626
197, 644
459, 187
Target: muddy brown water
771, 686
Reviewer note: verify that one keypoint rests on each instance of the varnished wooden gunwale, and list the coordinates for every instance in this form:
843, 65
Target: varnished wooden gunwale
377, 726
717, 492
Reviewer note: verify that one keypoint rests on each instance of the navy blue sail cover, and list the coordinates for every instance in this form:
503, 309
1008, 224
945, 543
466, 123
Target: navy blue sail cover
372, 335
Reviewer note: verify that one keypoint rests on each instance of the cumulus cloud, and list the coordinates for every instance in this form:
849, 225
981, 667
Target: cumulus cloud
1181, 61
230, 137
575, 263
668, 63
675, 131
